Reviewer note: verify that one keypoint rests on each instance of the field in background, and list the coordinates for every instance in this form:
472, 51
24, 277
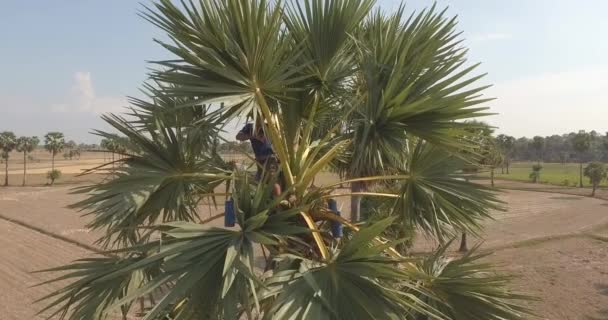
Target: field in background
555, 244
39, 163
552, 173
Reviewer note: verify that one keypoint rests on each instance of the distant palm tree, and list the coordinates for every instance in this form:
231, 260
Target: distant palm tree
506, 145
54, 143
8, 142
535, 174
26, 145
492, 157
538, 143
581, 144
596, 172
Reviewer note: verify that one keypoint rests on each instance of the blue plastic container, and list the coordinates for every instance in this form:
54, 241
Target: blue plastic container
229, 214
337, 229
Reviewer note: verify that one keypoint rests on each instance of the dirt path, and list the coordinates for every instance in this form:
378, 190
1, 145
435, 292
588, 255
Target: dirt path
574, 266
536, 215
570, 276
22, 252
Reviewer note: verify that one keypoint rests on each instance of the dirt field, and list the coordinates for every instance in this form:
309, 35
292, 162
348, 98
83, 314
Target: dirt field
556, 244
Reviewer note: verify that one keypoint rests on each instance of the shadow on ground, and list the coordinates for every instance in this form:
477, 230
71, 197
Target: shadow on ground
566, 198
602, 314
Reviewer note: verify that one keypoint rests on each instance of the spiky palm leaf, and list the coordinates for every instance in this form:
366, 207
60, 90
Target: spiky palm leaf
163, 182
358, 282
438, 198
465, 288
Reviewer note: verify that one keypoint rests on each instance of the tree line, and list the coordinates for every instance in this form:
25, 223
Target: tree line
582, 147
570, 147
54, 142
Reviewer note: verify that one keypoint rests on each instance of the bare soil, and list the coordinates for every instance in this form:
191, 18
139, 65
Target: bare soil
556, 244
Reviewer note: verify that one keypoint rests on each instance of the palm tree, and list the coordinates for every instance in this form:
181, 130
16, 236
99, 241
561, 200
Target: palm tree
26, 145
54, 143
507, 146
538, 143
535, 174
596, 172
333, 83
491, 157
581, 144
7, 144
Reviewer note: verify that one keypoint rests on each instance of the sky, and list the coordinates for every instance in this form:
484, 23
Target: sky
65, 62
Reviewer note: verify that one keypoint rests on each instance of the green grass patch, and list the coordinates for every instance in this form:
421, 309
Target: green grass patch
552, 173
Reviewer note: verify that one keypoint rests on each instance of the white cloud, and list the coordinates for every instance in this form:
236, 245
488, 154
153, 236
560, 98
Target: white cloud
82, 98
491, 36
552, 103
82, 90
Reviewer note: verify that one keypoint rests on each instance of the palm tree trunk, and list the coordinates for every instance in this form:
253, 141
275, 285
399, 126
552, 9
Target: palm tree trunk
580, 175
593, 190
492, 176
508, 163
355, 201
24, 166
6, 172
463, 243
502, 169
53, 161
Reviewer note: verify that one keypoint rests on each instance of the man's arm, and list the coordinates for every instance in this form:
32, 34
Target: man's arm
242, 136
245, 133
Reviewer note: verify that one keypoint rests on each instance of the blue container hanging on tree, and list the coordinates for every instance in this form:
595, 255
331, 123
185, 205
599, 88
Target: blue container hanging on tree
229, 214
337, 229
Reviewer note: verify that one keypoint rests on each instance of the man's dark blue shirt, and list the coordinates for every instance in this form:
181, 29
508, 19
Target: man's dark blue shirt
261, 149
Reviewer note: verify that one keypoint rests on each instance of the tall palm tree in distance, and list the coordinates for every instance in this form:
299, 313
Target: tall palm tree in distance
54, 143
331, 84
581, 144
506, 144
538, 144
26, 145
8, 141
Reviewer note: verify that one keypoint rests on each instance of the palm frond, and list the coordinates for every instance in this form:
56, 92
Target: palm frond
90, 296
413, 83
465, 288
161, 183
438, 198
357, 283
228, 51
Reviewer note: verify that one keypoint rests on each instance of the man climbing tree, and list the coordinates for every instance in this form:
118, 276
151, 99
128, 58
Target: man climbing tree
266, 162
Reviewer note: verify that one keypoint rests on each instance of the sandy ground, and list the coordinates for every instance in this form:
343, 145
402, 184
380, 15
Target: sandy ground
569, 275
554, 243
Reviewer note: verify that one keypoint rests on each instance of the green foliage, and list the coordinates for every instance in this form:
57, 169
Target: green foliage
27, 144
8, 142
464, 288
54, 142
164, 181
552, 173
596, 172
581, 142
535, 174
437, 196
505, 143
375, 209
53, 175
381, 98
538, 143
